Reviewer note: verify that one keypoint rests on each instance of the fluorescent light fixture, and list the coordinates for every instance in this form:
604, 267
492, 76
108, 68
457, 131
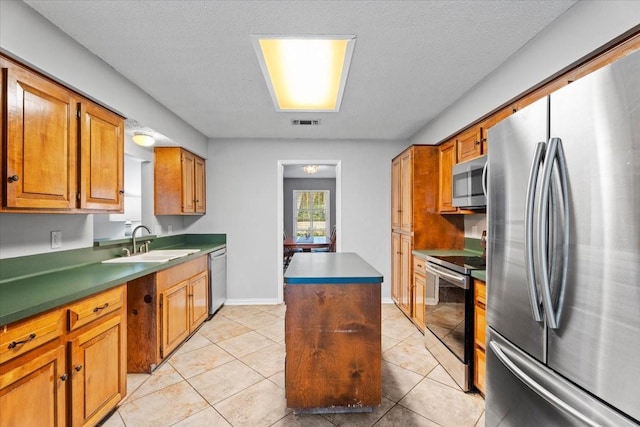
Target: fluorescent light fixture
143, 139
305, 73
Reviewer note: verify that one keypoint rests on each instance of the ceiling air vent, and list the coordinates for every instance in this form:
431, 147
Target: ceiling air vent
298, 122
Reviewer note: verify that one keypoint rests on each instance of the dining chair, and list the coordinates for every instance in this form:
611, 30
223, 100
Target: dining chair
332, 241
287, 253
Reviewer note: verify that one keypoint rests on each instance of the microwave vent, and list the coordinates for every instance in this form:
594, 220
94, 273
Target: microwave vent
300, 122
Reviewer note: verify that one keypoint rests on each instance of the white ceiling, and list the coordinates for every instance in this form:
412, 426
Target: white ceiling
412, 59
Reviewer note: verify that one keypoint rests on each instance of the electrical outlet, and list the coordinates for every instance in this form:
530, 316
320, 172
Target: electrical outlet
170, 229
56, 239
474, 230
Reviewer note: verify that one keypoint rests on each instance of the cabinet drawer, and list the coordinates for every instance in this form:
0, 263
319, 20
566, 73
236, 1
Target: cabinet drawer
20, 337
480, 364
480, 323
480, 292
418, 265
95, 307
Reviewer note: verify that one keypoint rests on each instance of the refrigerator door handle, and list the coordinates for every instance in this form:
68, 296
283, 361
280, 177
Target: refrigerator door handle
484, 178
555, 153
539, 389
534, 299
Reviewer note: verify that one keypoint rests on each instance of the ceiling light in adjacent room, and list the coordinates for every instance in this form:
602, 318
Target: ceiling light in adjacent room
305, 73
143, 139
310, 169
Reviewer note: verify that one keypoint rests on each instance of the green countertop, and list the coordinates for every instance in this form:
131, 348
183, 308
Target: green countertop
308, 268
37, 283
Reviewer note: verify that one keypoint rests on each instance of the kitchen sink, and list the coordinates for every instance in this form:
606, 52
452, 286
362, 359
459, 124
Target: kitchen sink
159, 255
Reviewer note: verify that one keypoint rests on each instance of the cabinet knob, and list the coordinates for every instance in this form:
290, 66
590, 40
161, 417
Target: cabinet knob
78, 368
13, 178
121, 191
64, 377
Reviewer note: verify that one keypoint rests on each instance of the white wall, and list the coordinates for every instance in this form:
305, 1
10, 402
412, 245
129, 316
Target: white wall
242, 190
584, 28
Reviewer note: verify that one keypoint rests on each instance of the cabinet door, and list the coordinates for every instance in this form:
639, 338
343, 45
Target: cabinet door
200, 186
41, 154
419, 288
469, 144
198, 300
396, 268
188, 175
447, 160
406, 258
396, 189
33, 391
175, 317
102, 158
406, 195
419, 291
98, 371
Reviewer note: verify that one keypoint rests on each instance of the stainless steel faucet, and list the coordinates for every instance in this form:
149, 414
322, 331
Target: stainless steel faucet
133, 234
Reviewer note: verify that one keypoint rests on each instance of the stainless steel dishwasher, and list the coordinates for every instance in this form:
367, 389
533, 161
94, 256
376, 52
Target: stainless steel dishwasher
217, 280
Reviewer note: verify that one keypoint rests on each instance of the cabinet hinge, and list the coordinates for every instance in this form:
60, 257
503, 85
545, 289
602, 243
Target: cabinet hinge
78, 196
77, 114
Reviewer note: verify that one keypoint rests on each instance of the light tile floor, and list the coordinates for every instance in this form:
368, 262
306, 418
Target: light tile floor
231, 373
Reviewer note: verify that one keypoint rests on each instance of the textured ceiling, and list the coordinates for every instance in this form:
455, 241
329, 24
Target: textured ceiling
412, 59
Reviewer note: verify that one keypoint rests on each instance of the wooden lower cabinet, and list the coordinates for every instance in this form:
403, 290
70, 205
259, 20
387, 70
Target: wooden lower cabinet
419, 292
479, 338
174, 303
97, 371
33, 389
198, 300
165, 308
402, 258
76, 375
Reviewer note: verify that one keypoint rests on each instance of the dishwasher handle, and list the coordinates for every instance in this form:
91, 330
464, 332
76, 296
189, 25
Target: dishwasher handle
218, 254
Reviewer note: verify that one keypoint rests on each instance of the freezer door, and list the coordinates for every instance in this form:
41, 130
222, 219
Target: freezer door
597, 343
512, 145
524, 392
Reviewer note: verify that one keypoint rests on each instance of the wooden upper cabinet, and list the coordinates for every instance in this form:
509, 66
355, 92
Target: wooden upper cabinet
102, 157
180, 182
200, 186
406, 194
41, 142
447, 160
61, 153
469, 144
396, 188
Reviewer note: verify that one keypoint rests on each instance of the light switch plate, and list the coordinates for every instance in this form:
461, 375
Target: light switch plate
56, 239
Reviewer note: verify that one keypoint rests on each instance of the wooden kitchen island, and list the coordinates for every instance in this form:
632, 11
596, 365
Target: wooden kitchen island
332, 333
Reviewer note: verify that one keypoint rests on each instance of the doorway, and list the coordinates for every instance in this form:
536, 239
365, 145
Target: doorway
334, 167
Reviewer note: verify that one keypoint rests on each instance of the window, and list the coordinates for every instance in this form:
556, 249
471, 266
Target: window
311, 213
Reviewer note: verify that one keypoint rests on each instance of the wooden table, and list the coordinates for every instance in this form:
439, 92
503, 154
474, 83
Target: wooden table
332, 334
306, 244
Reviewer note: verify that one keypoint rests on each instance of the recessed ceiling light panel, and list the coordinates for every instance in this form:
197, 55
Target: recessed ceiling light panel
305, 73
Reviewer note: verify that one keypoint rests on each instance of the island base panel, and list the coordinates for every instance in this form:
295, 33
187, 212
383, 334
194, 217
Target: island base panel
333, 346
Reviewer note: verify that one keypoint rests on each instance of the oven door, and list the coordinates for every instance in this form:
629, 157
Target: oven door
449, 313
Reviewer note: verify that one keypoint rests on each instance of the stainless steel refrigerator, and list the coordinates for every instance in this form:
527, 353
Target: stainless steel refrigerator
563, 291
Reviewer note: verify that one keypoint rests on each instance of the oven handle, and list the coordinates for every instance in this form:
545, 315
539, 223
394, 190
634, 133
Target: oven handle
458, 280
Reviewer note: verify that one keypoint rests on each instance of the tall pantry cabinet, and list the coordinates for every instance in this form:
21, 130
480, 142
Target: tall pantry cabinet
416, 222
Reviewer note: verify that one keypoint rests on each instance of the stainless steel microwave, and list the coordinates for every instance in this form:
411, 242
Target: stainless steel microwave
468, 184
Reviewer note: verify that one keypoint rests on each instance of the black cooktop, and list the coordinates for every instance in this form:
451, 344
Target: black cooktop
460, 263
